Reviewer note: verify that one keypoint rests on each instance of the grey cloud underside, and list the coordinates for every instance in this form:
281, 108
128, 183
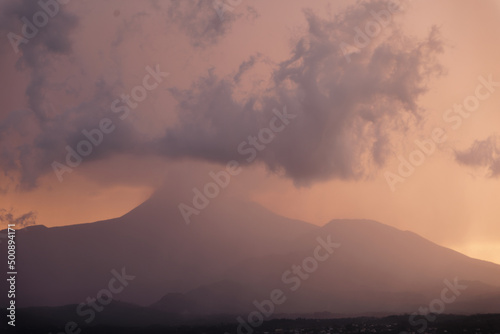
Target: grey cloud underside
482, 153
346, 110
30, 140
51, 41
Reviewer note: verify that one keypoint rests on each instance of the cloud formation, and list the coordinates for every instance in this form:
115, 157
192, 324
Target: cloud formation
199, 20
37, 40
33, 137
482, 153
347, 109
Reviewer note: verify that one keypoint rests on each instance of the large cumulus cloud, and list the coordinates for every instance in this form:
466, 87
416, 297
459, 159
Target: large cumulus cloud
347, 109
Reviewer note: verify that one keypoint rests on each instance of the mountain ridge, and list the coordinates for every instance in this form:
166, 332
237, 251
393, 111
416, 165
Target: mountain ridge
377, 268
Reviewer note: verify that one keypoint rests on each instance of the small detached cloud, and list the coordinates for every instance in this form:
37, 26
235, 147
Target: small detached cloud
482, 154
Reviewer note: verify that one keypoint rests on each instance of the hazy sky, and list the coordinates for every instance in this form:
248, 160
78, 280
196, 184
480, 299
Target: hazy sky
359, 103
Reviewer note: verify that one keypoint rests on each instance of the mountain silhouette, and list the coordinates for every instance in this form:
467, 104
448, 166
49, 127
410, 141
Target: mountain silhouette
235, 253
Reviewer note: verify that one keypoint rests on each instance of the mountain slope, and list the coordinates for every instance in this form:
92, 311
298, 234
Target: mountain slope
236, 253
376, 268
64, 265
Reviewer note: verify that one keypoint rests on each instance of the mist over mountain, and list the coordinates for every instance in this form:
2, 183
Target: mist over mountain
237, 253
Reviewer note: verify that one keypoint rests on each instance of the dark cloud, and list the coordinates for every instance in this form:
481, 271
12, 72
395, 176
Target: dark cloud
482, 153
346, 110
36, 50
48, 140
36, 54
29, 145
199, 20
32, 138
244, 67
